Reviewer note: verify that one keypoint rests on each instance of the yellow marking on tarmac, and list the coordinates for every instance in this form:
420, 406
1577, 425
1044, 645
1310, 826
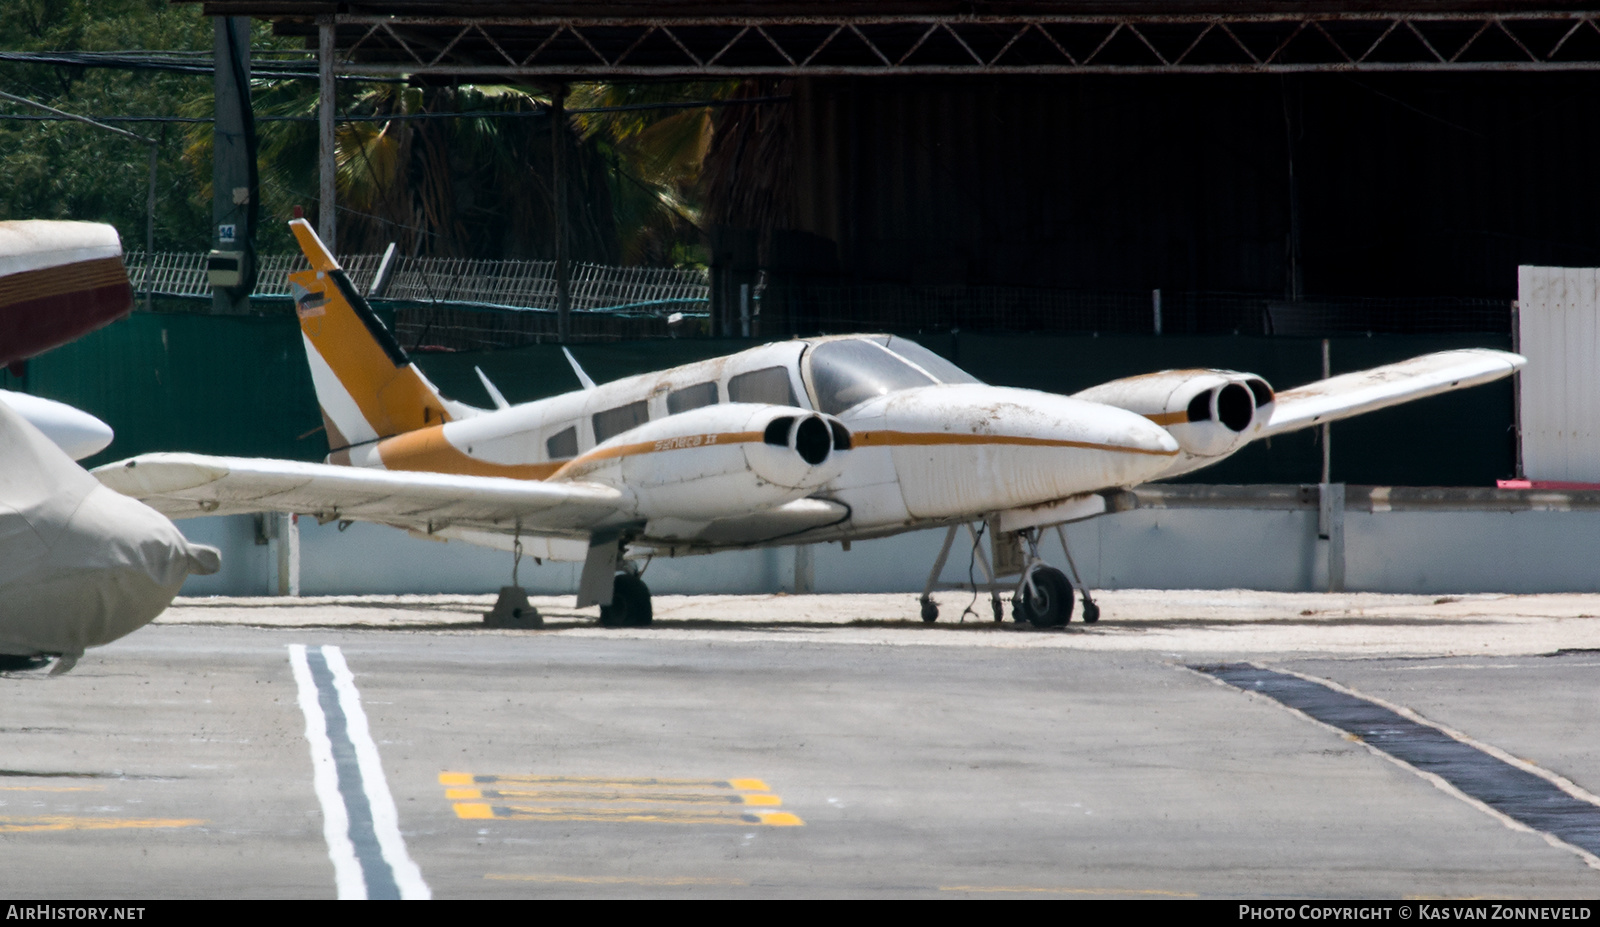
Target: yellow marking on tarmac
613, 880
630, 815
473, 811
1040, 890
743, 785
596, 798
59, 822
594, 795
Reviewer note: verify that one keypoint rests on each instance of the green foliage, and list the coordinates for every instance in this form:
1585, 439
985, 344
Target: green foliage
655, 156
470, 187
65, 170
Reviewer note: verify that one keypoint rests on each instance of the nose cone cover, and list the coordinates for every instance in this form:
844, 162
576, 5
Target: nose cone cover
974, 448
80, 565
73, 430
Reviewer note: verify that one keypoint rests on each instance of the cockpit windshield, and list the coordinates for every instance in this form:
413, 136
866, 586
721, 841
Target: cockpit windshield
848, 372
936, 366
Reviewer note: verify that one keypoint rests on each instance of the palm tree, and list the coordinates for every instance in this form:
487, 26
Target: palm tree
475, 183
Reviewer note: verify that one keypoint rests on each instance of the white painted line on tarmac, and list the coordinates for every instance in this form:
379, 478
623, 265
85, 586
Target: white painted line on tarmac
360, 822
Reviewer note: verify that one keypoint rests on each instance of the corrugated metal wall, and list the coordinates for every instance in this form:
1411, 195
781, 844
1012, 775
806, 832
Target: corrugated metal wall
239, 386
210, 384
1559, 325
1403, 184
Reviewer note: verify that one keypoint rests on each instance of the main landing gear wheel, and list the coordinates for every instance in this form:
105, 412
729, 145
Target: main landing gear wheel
630, 603
1049, 605
11, 663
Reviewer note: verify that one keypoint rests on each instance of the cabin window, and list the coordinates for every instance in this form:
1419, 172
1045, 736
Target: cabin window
769, 385
692, 397
613, 422
563, 445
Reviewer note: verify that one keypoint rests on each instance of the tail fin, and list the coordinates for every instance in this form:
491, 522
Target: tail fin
366, 385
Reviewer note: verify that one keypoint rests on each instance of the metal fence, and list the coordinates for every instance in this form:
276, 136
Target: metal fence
510, 285
459, 304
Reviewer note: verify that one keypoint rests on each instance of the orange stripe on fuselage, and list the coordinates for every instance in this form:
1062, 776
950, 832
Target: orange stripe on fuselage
1168, 418
427, 450
586, 462
931, 439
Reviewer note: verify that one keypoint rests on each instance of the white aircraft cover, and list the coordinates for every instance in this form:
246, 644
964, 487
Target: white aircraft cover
80, 565
188, 485
1380, 387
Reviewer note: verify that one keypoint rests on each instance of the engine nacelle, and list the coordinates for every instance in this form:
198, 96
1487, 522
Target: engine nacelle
1211, 413
719, 461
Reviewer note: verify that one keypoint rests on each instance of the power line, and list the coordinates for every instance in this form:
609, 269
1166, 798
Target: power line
408, 117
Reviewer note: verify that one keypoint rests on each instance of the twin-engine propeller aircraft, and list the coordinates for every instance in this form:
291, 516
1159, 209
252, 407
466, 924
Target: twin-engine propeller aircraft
834, 438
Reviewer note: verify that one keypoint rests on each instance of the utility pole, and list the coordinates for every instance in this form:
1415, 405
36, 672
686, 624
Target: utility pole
235, 188
327, 227
558, 199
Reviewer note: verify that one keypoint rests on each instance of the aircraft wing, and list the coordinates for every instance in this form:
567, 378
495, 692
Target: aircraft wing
1368, 390
190, 485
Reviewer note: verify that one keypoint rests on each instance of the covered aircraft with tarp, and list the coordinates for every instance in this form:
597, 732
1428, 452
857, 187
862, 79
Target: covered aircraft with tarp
80, 565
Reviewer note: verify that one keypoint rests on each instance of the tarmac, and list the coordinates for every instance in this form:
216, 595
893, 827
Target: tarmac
1379, 746
1228, 621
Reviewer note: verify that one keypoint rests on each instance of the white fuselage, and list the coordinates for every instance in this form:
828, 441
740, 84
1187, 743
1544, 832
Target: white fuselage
700, 478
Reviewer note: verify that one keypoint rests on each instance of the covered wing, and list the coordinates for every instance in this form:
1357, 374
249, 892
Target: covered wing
80, 565
188, 485
1369, 390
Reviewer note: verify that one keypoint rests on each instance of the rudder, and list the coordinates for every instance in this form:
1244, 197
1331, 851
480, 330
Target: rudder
366, 385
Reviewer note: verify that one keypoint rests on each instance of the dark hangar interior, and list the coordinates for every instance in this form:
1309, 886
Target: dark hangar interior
1270, 167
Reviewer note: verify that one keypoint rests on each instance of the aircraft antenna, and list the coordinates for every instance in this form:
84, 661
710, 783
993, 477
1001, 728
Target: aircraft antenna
577, 369
494, 394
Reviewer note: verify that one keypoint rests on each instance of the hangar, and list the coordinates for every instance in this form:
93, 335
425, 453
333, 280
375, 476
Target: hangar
1186, 166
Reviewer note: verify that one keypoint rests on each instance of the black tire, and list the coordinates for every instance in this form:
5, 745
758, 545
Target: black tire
1050, 606
1091, 613
930, 612
11, 663
630, 603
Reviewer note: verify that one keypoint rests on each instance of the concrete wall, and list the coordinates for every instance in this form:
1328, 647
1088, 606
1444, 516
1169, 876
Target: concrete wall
1406, 552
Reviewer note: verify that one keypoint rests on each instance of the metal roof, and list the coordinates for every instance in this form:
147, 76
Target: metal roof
482, 39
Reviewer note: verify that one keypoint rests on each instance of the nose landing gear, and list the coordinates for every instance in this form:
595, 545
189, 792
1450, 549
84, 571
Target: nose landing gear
1042, 596
630, 603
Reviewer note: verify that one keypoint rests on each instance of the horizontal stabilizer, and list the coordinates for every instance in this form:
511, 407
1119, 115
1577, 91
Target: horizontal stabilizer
190, 485
1380, 387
